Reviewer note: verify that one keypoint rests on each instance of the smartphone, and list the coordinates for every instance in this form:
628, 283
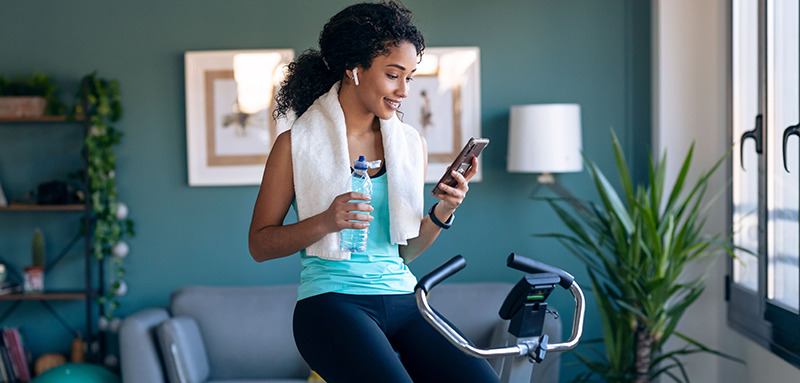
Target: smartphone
463, 162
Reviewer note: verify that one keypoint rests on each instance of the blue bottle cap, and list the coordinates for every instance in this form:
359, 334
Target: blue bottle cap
361, 163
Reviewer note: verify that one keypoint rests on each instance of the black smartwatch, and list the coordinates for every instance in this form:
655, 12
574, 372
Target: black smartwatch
444, 225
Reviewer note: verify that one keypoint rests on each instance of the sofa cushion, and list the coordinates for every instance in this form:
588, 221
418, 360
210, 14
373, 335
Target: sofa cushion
184, 353
247, 331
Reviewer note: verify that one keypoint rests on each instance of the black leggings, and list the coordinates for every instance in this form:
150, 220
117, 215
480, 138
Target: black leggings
379, 338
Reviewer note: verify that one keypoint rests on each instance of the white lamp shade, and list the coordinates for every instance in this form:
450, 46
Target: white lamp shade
545, 138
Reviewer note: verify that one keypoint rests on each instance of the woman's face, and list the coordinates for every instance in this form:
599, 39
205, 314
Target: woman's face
386, 83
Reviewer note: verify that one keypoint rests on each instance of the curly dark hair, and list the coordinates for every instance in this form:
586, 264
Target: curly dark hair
354, 36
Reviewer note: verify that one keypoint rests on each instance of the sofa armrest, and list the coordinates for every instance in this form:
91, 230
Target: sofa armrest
140, 358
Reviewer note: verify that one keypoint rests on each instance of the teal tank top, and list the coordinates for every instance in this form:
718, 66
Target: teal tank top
378, 271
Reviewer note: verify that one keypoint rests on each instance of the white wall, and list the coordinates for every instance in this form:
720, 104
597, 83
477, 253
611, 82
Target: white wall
690, 74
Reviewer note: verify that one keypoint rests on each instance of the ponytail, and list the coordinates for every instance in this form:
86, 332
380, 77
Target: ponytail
307, 78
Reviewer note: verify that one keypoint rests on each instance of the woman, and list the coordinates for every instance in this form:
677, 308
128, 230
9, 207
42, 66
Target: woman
356, 319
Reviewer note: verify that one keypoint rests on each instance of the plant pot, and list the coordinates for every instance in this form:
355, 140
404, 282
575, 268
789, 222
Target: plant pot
34, 280
22, 107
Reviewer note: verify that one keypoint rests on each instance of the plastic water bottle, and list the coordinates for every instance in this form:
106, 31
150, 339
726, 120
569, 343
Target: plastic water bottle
355, 240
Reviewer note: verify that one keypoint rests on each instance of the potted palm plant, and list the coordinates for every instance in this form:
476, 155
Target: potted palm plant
637, 246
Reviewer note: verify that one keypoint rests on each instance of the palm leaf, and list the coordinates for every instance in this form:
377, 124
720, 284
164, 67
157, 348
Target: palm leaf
677, 188
708, 350
610, 197
622, 168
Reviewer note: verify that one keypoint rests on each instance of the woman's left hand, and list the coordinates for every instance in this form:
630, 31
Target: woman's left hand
454, 196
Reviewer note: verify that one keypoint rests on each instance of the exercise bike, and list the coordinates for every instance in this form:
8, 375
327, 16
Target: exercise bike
524, 307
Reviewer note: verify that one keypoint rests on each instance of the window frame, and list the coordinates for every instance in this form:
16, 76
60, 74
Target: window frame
752, 314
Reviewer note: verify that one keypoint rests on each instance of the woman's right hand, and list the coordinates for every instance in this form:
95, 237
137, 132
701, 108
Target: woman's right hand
345, 209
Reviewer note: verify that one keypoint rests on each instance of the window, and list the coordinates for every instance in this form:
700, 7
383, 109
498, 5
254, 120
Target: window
764, 280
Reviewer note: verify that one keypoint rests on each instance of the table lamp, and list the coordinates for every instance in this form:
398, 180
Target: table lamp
545, 139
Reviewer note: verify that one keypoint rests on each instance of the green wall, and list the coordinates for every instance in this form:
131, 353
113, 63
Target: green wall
595, 53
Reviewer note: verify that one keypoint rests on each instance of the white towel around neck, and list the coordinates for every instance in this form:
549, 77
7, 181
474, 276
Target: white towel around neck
321, 166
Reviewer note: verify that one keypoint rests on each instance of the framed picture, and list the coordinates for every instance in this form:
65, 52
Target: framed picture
229, 105
444, 104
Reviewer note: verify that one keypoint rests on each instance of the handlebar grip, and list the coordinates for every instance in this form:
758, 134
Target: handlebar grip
530, 266
441, 273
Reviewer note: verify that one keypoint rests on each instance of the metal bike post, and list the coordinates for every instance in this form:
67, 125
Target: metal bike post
518, 368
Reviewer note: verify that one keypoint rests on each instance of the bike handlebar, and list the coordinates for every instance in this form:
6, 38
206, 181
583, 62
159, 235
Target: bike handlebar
532, 266
526, 347
442, 272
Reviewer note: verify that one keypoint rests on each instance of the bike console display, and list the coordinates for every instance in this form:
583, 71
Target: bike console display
525, 305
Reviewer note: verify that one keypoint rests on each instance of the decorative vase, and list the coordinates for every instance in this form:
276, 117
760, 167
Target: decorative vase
34, 280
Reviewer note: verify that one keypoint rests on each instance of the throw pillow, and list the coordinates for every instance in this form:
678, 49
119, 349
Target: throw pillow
183, 350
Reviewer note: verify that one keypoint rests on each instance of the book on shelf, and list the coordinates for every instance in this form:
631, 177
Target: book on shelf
5, 361
17, 355
9, 287
5, 374
3, 200
13, 364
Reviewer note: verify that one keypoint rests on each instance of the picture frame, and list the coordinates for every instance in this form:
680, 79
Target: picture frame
229, 105
444, 104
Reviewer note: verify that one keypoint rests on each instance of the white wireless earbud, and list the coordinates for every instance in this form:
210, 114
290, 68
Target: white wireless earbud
355, 75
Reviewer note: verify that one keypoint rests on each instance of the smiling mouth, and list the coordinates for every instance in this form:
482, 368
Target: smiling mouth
395, 104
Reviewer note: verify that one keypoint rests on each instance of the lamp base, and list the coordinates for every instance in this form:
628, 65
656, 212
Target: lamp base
546, 178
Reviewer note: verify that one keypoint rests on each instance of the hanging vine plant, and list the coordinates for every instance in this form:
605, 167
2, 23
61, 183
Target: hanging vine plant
101, 108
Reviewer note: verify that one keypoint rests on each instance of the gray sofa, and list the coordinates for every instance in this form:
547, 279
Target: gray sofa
244, 334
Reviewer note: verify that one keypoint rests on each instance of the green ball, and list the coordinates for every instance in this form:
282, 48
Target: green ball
77, 373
